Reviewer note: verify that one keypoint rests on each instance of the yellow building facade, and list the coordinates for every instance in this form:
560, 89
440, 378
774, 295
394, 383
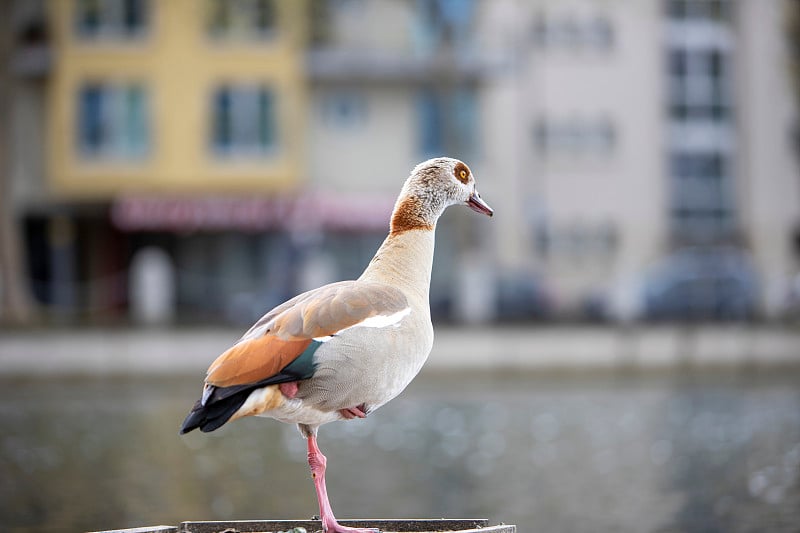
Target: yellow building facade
176, 96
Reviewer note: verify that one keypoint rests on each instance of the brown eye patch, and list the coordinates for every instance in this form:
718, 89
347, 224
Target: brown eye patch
461, 172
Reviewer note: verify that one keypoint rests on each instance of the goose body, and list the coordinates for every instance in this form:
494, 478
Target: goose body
343, 350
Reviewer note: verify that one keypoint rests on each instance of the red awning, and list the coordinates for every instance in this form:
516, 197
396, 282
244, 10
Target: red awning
310, 211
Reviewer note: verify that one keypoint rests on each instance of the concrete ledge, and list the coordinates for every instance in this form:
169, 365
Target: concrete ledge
165, 351
311, 526
608, 348
147, 529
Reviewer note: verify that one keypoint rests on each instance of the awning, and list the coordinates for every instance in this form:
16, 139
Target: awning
306, 212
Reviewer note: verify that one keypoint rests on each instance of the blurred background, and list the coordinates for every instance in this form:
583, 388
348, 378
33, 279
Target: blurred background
626, 326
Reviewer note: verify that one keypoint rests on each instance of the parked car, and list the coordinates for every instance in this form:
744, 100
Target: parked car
702, 284
521, 297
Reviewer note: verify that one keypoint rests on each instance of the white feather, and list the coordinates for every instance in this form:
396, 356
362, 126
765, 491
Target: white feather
377, 321
382, 321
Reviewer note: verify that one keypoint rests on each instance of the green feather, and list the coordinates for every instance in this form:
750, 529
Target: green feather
303, 366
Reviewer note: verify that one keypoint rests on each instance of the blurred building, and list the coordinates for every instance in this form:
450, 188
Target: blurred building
216, 157
207, 159
652, 145
162, 121
394, 83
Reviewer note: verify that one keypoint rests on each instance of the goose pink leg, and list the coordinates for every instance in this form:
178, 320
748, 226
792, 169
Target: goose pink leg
317, 462
354, 412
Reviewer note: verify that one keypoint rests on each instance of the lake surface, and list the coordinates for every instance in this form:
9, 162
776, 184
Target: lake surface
621, 454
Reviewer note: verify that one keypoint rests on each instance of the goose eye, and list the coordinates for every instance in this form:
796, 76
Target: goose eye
461, 172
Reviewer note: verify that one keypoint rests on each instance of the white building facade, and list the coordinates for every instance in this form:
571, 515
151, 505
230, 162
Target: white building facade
647, 148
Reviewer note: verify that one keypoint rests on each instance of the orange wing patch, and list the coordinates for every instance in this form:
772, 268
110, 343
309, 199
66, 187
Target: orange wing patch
286, 332
254, 360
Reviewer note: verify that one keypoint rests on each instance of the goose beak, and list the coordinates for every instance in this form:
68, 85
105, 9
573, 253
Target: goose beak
476, 203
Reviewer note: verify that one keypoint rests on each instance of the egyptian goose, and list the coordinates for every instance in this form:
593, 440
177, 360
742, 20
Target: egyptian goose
341, 351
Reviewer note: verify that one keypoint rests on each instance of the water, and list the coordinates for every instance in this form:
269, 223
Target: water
556, 455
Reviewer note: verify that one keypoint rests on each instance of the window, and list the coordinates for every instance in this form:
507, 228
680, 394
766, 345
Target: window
541, 135
701, 203
344, 109
444, 23
243, 121
579, 239
566, 32
677, 9
448, 122
246, 20
570, 32
600, 33
540, 30
575, 136
113, 121
700, 106
698, 84
431, 123
711, 10
111, 19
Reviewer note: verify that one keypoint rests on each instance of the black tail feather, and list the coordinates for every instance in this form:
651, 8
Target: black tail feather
214, 414
223, 402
